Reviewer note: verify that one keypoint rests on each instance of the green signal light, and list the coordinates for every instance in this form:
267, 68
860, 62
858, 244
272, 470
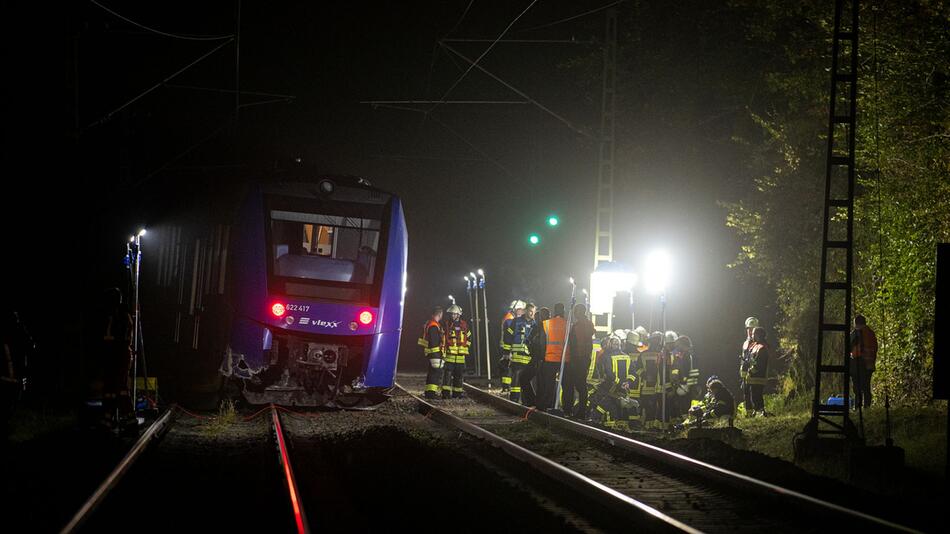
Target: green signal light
553, 220
534, 239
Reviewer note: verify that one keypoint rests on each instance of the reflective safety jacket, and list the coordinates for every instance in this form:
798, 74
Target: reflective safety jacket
864, 345
505, 348
684, 370
515, 337
648, 372
759, 369
431, 340
554, 330
615, 367
458, 338
745, 359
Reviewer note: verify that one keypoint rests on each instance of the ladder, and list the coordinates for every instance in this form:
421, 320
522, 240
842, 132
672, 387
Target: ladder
603, 235
837, 246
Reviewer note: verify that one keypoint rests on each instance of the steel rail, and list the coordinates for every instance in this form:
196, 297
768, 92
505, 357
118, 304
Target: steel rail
611, 498
300, 517
153, 432
681, 462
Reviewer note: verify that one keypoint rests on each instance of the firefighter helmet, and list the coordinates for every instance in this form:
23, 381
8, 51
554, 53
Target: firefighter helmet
518, 305
684, 343
682, 390
751, 322
633, 337
670, 337
512, 305
455, 308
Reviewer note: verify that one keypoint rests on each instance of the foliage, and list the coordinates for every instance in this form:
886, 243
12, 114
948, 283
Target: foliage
902, 204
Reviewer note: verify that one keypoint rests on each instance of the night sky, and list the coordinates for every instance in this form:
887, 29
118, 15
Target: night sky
475, 180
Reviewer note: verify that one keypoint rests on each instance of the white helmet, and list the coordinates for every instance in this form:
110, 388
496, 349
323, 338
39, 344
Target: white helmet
518, 305
455, 308
620, 334
512, 305
751, 322
682, 390
670, 337
633, 337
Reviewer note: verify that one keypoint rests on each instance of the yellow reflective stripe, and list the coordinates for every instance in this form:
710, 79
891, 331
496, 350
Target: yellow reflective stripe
516, 389
756, 380
423, 342
432, 387
433, 350
506, 380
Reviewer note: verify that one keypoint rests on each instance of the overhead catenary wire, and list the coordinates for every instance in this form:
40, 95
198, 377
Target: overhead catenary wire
474, 64
572, 17
165, 80
160, 32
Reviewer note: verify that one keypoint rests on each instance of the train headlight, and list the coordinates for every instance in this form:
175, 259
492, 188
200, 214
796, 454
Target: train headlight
278, 310
366, 317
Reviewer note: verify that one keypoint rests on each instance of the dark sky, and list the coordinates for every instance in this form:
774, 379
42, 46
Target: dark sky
476, 180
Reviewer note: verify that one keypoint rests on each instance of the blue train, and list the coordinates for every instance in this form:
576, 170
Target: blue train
296, 292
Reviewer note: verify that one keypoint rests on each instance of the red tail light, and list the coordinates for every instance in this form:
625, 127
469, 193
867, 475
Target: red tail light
366, 317
278, 310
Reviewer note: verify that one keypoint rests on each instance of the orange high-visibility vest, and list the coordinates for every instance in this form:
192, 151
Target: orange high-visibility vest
554, 330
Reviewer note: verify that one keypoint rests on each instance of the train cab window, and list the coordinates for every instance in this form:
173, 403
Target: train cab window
324, 247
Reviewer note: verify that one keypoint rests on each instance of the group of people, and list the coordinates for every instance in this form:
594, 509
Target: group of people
630, 378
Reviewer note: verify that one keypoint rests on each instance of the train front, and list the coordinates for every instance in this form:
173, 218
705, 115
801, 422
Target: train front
319, 277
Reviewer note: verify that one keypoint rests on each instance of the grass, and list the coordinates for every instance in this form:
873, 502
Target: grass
920, 431
227, 416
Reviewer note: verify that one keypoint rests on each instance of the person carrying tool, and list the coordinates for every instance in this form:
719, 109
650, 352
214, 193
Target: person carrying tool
431, 343
458, 338
745, 362
863, 358
515, 337
580, 346
758, 371
504, 362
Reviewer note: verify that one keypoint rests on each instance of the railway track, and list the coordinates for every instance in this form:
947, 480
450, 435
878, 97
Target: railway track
641, 484
198, 483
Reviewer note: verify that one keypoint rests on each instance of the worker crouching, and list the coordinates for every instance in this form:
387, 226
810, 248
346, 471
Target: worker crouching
717, 407
612, 397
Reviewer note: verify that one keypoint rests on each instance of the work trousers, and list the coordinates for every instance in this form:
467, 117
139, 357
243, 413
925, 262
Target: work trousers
861, 383
747, 397
649, 409
529, 395
547, 384
677, 405
433, 380
575, 382
504, 368
518, 370
755, 397
452, 380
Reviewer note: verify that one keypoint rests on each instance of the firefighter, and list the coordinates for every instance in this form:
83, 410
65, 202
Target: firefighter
648, 369
612, 397
745, 361
684, 376
431, 343
718, 404
863, 358
515, 337
576, 368
758, 371
505, 358
458, 338
116, 330
528, 375
552, 333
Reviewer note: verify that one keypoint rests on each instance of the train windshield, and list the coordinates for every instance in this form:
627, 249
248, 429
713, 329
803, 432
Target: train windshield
325, 247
